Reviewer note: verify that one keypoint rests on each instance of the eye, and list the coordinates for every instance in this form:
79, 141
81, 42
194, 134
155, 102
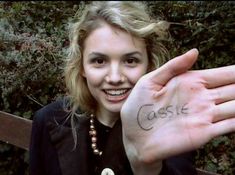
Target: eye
99, 61
132, 61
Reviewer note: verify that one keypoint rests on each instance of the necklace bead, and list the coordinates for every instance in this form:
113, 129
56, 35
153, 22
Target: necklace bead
93, 134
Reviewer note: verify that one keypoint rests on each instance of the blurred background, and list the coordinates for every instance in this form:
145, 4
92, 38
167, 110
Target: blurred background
33, 43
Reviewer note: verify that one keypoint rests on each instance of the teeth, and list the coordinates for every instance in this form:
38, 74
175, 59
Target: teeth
116, 92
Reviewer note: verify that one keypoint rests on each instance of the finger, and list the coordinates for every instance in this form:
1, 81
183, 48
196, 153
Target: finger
223, 127
224, 111
223, 94
174, 67
217, 77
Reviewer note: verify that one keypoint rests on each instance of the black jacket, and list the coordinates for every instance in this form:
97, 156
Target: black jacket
51, 148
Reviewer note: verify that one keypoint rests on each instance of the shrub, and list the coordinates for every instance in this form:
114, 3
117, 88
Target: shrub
33, 42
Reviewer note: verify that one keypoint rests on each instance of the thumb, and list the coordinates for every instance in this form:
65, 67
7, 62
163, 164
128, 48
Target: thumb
175, 66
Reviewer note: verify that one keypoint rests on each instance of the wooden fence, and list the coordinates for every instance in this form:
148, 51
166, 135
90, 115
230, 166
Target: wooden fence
16, 130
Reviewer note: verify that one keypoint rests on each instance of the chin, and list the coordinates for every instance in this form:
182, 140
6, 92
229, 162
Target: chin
114, 108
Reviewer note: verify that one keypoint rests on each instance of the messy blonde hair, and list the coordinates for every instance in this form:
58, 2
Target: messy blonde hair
128, 16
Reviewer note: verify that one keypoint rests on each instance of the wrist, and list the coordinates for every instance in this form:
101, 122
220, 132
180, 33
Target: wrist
142, 161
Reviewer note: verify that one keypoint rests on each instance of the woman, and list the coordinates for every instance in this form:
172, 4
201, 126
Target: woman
122, 116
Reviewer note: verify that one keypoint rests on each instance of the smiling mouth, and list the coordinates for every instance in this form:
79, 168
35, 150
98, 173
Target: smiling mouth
116, 95
116, 92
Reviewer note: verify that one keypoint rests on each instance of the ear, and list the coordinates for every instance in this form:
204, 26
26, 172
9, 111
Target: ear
83, 73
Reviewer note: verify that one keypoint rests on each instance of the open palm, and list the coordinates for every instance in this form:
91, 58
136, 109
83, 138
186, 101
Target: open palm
172, 110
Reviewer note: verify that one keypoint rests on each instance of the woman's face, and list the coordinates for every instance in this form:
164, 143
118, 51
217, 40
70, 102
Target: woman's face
113, 62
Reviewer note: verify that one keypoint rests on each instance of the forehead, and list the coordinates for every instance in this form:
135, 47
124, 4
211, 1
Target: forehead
109, 38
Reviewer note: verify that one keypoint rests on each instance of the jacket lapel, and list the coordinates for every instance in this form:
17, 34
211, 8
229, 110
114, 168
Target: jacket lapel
71, 160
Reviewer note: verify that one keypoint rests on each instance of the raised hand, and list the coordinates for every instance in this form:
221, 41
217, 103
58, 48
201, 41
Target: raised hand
172, 110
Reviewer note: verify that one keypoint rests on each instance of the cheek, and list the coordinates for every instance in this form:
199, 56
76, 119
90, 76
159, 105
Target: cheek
135, 75
94, 78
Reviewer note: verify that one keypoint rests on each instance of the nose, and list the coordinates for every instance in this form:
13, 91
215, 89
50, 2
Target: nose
115, 75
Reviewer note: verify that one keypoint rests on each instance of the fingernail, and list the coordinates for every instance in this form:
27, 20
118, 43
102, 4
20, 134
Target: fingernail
195, 49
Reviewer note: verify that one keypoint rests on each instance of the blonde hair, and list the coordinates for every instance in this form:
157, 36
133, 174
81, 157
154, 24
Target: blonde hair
126, 15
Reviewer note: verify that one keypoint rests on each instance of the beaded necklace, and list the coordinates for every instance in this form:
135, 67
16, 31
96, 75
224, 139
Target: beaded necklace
93, 134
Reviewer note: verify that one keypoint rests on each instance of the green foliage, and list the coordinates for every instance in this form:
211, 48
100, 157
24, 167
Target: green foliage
218, 156
208, 26
33, 42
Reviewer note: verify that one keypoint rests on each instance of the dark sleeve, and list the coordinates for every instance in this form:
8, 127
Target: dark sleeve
43, 156
179, 165
35, 163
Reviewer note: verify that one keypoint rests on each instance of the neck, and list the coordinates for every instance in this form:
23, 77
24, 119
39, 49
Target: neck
107, 118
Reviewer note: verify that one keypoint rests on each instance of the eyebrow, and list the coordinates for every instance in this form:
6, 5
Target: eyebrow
125, 55
133, 53
97, 54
